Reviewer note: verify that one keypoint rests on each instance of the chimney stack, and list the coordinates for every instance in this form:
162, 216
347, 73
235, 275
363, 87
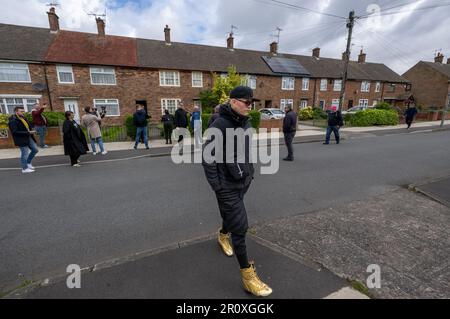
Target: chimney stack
100, 26
53, 20
230, 42
316, 53
439, 58
167, 34
274, 48
362, 57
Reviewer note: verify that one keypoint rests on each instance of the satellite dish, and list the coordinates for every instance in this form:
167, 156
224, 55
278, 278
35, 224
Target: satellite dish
38, 87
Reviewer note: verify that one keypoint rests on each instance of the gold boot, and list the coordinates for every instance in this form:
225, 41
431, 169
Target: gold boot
253, 284
224, 243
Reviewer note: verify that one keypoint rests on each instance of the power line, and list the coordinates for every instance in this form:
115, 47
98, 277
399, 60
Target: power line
408, 11
296, 7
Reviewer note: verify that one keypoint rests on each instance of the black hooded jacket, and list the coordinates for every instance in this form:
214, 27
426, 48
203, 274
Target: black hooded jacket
239, 173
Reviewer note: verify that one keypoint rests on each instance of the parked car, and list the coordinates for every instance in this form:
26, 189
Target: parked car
272, 113
357, 108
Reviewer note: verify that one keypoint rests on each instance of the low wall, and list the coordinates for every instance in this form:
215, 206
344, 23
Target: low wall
52, 138
271, 124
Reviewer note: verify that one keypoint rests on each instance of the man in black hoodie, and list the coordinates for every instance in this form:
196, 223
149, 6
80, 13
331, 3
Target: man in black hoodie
289, 130
230, 180
140, 120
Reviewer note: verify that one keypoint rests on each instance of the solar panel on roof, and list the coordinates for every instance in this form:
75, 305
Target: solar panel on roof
285, 66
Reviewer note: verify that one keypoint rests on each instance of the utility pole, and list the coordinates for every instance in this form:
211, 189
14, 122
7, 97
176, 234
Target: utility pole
444, 113
350, 24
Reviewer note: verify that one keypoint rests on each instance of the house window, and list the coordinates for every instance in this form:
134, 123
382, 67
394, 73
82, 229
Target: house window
305, 84
103, 76
250, 81
14, 72
323, 84
378, 87
170, 105
303, 103
391, 87
111, 106
365, 86
335, 102
287, 83
65, 74
322, 104
364, 102
9, 103
197, 79
286, 102
337, 85
169, 78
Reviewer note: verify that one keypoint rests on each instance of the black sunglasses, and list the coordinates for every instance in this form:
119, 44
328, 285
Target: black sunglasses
246, 102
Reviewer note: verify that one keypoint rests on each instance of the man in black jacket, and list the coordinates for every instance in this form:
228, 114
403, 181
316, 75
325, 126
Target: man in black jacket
230, 179
289, 130
335, 122
23, 136
181, 119
140, 120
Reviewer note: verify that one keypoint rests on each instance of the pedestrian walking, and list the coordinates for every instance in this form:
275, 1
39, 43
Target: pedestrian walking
140, 120
23, 136
40, 123
180, 122
75, 143
230, 182
167, 120
91, 121
289, 130
196, 124
410, 115
214, 116
335, 121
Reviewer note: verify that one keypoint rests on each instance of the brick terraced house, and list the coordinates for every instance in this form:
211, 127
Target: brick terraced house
70, 70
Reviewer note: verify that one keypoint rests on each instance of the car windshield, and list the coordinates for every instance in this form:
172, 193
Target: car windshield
277, 111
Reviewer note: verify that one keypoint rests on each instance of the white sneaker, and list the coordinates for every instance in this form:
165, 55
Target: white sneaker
30, 166
28, 170
76, 165
104, 152
94, 153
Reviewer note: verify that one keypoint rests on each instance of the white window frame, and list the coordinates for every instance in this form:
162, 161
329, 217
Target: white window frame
288, 83
59, 68
164, 104
163, 78
103, 72
16, 66
284, 102
24, 103
305, 84
303, 103
250, 81
195, 73
323, 84
337, 85
365, 86
365, 102
324, 104
378, 87
98, 105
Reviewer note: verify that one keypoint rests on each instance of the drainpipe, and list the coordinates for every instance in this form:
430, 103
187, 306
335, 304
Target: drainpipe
48, 89
314, 95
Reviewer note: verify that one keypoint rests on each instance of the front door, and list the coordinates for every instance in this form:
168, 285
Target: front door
350, 104
72, 106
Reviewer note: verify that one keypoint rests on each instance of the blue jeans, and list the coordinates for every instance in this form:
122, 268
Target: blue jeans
335, 130
100, 143
139, 131
41, 132
25, 157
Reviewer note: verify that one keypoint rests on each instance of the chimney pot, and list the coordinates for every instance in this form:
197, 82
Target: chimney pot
316, 53
230, 42
100, 26
167, 34
274, 48
439, 58
53, 20
362, 57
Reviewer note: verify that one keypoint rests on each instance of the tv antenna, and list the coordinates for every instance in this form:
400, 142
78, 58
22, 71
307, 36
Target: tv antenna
277, 35
53, 4
437, 52
232, 28
96, 15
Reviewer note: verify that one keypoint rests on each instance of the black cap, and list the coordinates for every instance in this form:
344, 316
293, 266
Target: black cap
242, 92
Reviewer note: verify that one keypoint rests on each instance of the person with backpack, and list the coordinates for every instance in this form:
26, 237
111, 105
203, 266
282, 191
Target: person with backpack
140, 120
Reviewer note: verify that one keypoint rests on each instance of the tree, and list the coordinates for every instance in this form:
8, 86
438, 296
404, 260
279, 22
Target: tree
223, 85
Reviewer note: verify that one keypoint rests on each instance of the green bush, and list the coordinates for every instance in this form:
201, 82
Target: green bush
318, 113
131, 129
372, 117
306, 114
205, 120
4, 118
53, 118
255, 119
383, 106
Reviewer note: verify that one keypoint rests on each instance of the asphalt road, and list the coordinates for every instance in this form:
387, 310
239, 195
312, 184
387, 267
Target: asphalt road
62, 215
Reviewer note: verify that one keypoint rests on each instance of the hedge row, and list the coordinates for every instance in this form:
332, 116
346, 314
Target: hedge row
372, 117
53, 118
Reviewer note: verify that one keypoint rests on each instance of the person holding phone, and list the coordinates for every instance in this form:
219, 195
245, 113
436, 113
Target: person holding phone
23, 136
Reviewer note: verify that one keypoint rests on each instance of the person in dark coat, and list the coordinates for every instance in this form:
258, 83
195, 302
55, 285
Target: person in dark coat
230, 180
140, 120
289, 130
167, 120
75, 143
214, 116
410, 114
23, 136
180, 119
335, 121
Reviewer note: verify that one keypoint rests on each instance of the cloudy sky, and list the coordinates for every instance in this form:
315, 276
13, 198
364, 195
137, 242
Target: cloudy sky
401, 34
